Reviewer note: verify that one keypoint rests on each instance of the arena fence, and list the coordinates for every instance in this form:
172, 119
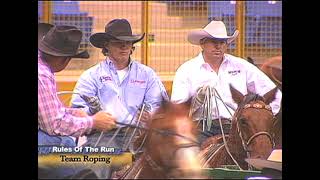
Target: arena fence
166, 24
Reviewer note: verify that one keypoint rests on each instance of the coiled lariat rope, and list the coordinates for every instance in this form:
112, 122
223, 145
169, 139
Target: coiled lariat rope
212, 93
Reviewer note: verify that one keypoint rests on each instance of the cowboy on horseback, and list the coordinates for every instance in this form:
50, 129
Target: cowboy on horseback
206, 80
57, 124
119, 85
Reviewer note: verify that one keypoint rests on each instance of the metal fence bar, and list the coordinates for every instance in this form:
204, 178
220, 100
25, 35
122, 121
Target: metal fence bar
47, 11
240, 24
167, 23
145, 28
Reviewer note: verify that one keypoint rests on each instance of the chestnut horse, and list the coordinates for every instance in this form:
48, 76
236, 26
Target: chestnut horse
272, 67
250, 134
170, 147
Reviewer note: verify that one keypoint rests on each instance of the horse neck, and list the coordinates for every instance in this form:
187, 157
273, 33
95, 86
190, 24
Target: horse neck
142, 169
235, 146
148, 172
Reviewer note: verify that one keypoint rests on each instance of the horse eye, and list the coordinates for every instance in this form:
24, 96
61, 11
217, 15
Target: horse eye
243, 121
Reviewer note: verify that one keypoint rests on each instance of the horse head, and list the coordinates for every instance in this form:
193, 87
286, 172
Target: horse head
254, 121
171, 141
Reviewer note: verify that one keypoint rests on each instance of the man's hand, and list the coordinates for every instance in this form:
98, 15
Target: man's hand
201, 93
145, 116
103, 121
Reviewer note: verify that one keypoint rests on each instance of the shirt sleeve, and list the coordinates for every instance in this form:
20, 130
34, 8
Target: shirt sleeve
180, 87
53, 117
155, 93
84, 86
260, 83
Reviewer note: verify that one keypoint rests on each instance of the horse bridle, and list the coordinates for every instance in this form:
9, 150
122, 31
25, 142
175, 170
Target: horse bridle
245, 144
150, 161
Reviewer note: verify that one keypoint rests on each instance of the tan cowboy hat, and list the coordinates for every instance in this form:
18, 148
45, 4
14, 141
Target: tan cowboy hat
118, 29
60, 41
215, 30
274, 161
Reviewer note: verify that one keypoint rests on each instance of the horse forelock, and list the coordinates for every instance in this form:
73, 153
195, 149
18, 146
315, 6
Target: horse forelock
250, 97
259, 119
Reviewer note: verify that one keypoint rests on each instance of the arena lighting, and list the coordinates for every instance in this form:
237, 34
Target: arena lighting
272, 2
232, 2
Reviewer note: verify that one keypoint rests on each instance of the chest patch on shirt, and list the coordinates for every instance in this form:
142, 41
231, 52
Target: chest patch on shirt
137, 82
105, 79
234, 72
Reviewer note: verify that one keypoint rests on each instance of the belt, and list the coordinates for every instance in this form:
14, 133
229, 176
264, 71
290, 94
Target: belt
224, 121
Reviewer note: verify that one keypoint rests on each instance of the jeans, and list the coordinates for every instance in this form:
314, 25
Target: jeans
46, 139
45, 142
119, 141
214, 130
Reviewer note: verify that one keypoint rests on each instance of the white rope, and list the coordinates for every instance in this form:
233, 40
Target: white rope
212, 155
134, 131
222, 132
66, 92
207, 114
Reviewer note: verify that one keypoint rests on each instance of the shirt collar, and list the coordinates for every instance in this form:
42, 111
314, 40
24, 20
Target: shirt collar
111, 64
202, 63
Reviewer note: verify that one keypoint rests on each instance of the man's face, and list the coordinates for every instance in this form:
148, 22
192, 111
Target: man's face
213, 48
119, 50
62, 63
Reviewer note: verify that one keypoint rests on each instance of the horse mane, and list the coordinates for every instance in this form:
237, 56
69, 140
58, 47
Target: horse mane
163, 122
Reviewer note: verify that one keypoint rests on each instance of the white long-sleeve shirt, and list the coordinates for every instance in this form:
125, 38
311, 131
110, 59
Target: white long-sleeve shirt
241, 74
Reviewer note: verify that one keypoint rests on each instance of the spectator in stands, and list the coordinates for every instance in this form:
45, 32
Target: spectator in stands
215, 69
56, 123
123, 87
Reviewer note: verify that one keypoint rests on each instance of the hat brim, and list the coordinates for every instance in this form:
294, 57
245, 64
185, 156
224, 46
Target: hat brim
263, 163
98, 39
43, 29
80, 54
194, 37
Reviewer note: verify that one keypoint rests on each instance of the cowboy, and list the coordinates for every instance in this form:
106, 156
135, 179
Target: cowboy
56, 123
124, 87
206, 80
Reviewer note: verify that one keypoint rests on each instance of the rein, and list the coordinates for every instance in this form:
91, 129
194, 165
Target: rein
94, 102
160, 131
207, 111
154, 166
245, 144
211, 91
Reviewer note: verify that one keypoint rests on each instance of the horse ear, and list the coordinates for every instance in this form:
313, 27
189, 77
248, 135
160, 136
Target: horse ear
250, 60
236, 95
270, 96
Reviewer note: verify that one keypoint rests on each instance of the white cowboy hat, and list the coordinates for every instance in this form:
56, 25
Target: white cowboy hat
215, 29
274, 161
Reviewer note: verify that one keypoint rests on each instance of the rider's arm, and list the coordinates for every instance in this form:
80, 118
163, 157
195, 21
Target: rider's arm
85, 86
260, 83
181, 86
53, 116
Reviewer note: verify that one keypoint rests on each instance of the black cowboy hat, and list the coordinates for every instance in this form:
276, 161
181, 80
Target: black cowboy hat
60, 41
118, 29
43, 28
